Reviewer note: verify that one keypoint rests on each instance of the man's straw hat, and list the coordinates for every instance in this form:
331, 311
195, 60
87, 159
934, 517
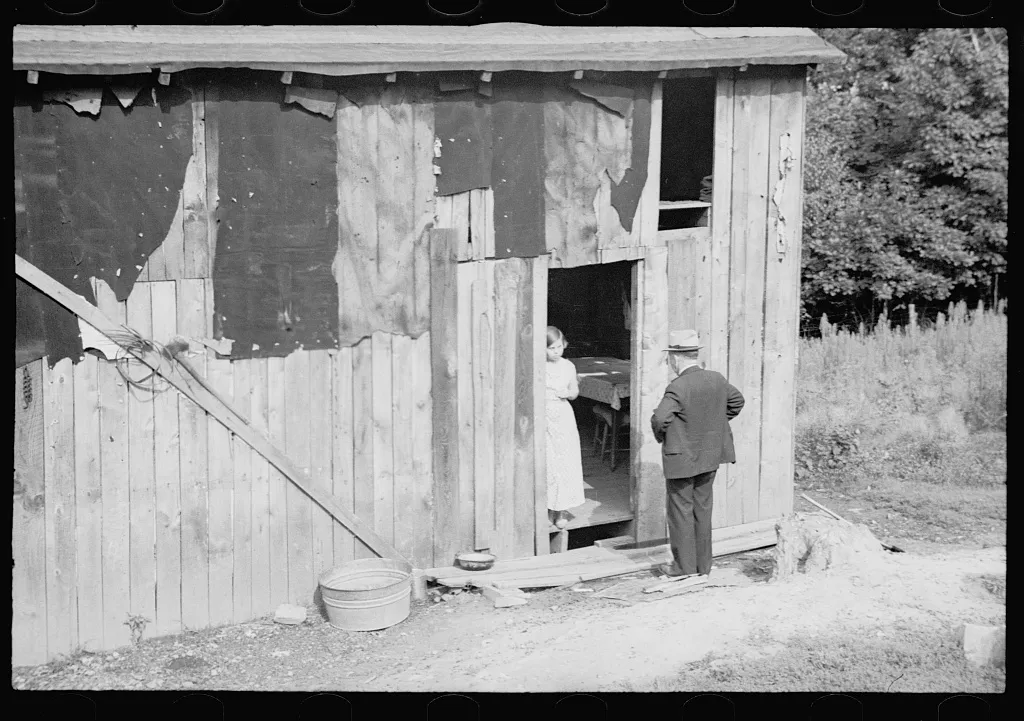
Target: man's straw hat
683, 340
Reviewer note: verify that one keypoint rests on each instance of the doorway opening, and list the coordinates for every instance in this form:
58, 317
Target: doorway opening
592, 306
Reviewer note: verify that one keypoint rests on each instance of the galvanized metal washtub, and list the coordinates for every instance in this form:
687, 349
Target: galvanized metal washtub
368, 594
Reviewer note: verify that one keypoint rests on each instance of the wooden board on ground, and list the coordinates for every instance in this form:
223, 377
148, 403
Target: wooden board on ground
631, 590
595, 562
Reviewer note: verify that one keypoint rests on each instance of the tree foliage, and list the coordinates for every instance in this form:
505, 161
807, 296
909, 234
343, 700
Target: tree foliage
906, 169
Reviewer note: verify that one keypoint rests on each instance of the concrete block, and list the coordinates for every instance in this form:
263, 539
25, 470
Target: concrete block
984, 645
290, 614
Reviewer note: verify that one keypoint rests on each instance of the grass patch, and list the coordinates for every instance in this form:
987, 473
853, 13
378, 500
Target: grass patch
911, 419
903, 660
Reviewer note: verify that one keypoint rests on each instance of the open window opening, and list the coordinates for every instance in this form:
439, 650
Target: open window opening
687, 152
592, 307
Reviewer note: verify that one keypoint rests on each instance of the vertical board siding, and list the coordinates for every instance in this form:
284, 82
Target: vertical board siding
141, 487
190, 305
746, 294
718, 281
539, 347
383, 461
195, 230
220, 490
506, 279
649, 479
113, 395
357, 215
523, 466
59, 494
167, 436
362, 413
782, 295
28, 526
466, 272
402, 361
320, 434
241, 499
423, 453
260, 509
300, 506
444, 385
277, 423
481, 313
89, 504
646, 219
134, 505
342, 482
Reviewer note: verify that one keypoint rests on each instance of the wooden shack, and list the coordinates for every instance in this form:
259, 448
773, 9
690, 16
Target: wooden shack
357, 231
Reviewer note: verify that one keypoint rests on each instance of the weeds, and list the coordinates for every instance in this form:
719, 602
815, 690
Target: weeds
928, 404
137, 625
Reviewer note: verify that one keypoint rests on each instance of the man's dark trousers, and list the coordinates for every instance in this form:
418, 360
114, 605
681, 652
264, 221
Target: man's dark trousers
689, 503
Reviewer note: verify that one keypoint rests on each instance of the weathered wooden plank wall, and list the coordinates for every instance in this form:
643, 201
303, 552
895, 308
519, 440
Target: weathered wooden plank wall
434, 441
782, 291
157, 512
737, 282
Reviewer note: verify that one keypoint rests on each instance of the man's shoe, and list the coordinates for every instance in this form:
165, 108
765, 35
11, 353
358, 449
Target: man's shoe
673, 571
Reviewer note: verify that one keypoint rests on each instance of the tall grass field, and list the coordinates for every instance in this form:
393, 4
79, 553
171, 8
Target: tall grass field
910, 419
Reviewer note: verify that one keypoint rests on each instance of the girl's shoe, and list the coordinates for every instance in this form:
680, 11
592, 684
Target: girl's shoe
561, 521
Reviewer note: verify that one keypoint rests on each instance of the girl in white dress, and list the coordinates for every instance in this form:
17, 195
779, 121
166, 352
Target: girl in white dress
564, 459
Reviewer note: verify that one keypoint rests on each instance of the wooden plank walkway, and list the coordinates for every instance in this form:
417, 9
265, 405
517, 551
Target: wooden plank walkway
595, 562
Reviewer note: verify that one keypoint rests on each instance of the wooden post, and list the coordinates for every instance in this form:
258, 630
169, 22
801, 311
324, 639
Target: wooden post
540, 314
444, 385
651, 337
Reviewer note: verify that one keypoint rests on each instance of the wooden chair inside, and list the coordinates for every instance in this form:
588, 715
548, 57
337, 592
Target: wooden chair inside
611, 425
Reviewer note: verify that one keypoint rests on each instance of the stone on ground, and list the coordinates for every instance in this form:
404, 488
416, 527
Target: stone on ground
814, 543
984, 645
290, 614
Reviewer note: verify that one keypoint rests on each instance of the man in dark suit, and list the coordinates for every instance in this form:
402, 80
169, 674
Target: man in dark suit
692, 425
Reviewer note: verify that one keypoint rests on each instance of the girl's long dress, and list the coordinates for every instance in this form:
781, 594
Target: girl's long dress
564, 460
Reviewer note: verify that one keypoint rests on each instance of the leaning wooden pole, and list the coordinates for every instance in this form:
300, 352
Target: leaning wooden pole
199, 394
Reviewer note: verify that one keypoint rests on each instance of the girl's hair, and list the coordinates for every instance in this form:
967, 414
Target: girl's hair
555, 335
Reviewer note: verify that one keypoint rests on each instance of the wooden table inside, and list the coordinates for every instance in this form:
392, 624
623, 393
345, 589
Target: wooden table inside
603, 379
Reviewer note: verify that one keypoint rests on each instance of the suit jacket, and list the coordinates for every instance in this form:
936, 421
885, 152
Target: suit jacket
692, 423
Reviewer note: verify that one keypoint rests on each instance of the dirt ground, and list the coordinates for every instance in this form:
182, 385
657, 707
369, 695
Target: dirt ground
891, 625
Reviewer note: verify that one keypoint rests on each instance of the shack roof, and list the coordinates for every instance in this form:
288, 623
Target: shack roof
370, 49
